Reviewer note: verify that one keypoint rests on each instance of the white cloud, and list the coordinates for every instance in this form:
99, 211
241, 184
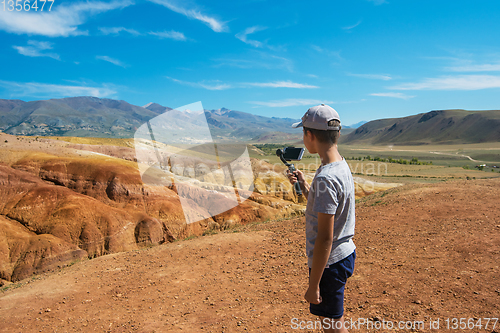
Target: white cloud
465, 62
282, 84
117, 30
243, 36
290, 102
333, 54
384, 77
169, 34
217, 85
459, 82
35, 49
352, 26
45, 90
378, 2
282, 62
213, 23
393, 94
62, 21
172, 34
475, 68
257, 59
210, 85
112, 60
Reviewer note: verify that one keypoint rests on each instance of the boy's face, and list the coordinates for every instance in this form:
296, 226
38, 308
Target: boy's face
307, 141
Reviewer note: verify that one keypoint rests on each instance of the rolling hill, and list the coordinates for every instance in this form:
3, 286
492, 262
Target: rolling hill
442, 126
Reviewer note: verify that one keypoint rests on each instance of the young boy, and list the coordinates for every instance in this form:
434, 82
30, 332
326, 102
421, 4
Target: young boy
329, 218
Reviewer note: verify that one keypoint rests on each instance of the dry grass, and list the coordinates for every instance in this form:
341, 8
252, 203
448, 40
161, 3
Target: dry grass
95, 141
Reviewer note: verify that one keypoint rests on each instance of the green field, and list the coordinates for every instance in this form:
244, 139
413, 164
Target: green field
432, 163
437, 162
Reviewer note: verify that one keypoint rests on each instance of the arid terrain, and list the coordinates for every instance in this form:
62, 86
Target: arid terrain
62, 201
424, 252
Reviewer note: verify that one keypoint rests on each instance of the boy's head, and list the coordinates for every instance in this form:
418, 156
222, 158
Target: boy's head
323, 122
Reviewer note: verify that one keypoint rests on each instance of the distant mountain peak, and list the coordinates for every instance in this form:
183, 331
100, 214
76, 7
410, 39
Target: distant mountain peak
358, 124
220, 112
152, 105
157, 108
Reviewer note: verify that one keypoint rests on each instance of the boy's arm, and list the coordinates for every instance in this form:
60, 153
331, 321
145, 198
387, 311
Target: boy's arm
321, 253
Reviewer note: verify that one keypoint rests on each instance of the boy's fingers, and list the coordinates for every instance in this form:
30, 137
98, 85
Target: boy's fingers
318, 300
291, 177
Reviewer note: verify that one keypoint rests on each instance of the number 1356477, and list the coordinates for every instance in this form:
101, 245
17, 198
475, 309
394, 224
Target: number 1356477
26, 5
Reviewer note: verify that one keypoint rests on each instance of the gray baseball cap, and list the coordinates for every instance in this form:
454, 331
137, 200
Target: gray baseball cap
319, 117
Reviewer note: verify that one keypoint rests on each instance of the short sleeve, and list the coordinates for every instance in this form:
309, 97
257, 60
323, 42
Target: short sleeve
326, 196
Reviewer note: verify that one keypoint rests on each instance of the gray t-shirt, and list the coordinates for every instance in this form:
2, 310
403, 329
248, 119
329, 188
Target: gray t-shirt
332, 192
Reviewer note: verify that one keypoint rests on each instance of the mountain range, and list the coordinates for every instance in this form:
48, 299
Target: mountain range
77, 116
439, 126
101, 117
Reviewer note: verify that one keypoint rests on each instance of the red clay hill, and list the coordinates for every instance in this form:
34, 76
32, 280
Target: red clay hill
60, 202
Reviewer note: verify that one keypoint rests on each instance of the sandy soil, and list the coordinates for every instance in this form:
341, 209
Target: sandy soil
424, 253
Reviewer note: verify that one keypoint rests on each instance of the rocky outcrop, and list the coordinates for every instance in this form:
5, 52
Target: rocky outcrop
271, 180
23, 252
109, 180
64, 208
72, 217
45, 225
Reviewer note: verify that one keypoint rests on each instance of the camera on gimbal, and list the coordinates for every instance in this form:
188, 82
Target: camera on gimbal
291, 154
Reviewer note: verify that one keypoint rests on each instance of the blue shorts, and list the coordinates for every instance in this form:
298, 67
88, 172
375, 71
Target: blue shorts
331, 288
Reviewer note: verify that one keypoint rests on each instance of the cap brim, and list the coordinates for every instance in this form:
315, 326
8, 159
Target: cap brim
299, 124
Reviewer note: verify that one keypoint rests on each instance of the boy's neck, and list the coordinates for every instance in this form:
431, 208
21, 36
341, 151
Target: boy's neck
329, 154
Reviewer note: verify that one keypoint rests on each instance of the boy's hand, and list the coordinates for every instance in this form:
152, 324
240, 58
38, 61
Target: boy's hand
312, 295
297, 175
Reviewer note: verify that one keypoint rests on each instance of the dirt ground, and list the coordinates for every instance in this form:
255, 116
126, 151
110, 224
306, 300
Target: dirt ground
424, 252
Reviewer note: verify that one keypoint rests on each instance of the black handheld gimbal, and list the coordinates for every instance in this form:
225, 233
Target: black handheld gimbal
289, 154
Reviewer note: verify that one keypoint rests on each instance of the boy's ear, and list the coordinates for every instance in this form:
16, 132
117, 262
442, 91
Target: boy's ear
310, 135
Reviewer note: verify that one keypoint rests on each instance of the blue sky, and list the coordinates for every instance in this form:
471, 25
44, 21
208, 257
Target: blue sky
369, 59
